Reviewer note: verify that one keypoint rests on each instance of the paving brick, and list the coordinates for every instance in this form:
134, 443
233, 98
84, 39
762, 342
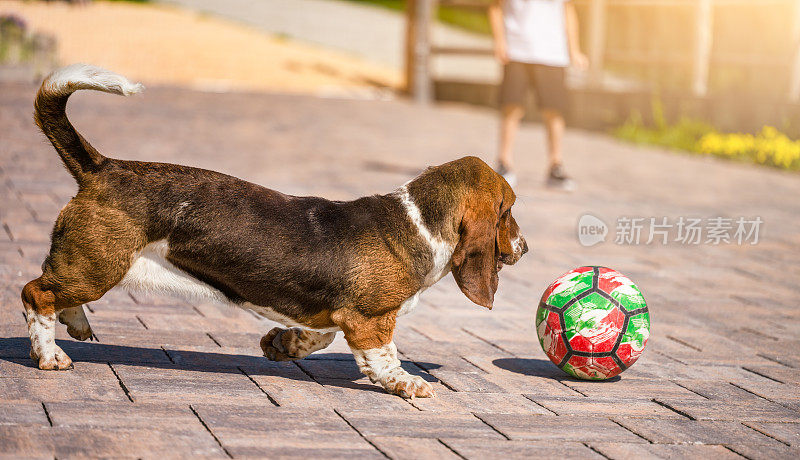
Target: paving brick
663, 431
471, 380
788, 433
268, 431
155, 338
630, 388
63, 388
68, 442
625, 451
480, 449
717, 389
435, 357
15, 347
363, 396
420, 425
21, 413
122, 415
115, 354
327, 369
753, 409
296, 391
25, 369
258, 448
176, 385
770, 452
523, 375
783, 374
404, 448
770, 389
562, 428
532, 367
125, 320
116, 306
214, 357
235, 339
583, 406
160, 321
502, 403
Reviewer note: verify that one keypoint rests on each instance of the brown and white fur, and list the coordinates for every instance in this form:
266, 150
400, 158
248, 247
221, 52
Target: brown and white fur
314, 265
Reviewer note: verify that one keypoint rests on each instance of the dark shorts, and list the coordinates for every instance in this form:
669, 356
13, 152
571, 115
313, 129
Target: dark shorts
547, 82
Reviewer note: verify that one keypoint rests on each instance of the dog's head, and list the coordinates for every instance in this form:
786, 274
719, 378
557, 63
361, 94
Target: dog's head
488, 235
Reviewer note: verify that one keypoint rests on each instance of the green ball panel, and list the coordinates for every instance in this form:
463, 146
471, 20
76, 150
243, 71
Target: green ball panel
638, 330
541, 315
587, 312
569, 286
629, 297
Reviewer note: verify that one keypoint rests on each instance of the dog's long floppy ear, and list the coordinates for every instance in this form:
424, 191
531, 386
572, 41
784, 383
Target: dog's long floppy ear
474, 261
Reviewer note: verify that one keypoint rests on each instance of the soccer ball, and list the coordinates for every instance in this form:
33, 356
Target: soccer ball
593, 323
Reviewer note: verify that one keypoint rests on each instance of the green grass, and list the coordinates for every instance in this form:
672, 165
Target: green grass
768, 147
470, 20
682, 135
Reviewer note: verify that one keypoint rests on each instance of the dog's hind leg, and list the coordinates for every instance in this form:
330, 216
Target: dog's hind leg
77, 323
294, 343
40, 309
92, 248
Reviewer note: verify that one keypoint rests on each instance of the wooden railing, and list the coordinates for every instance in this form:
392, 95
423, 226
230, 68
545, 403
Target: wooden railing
704, 57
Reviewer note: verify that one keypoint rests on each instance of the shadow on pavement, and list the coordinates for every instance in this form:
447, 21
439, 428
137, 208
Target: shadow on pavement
539, 368
329, 367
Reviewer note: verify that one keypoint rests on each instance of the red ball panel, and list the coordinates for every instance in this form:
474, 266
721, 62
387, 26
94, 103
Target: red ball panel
580, 343
627, 354
605, 335
552, 342
606, 367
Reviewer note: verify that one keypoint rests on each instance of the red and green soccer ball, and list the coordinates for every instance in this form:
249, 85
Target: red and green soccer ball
593, 323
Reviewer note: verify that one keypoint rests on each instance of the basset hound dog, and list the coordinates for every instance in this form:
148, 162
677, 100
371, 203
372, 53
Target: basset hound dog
317, 266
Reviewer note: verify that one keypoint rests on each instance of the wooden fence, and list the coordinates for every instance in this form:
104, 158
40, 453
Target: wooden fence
698, 48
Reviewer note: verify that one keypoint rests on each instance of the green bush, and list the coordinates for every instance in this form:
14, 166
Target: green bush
768, 147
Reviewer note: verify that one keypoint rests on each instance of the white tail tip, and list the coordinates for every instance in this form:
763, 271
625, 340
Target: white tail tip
71, 78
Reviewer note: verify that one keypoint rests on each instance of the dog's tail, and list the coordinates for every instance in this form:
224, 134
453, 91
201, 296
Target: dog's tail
50, 114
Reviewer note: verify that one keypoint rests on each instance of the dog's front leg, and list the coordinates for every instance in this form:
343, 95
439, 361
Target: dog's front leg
370, 339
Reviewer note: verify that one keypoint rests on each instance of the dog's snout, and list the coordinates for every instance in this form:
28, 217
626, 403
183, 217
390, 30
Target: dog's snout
524, 245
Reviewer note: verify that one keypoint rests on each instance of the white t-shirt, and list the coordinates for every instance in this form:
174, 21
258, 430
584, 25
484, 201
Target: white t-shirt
536, 31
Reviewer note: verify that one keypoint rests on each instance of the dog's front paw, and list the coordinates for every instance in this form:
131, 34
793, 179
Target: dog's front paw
56, 360
405, 385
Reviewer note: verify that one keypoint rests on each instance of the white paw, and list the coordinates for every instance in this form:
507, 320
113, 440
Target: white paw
405, 385
58, 360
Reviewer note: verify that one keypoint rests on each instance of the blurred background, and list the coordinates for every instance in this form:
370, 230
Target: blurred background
716, 77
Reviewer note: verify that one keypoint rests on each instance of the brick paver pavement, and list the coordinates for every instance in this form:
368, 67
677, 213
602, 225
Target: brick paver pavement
719, 377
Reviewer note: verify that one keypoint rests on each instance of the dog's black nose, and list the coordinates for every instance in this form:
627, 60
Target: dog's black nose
524, 246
